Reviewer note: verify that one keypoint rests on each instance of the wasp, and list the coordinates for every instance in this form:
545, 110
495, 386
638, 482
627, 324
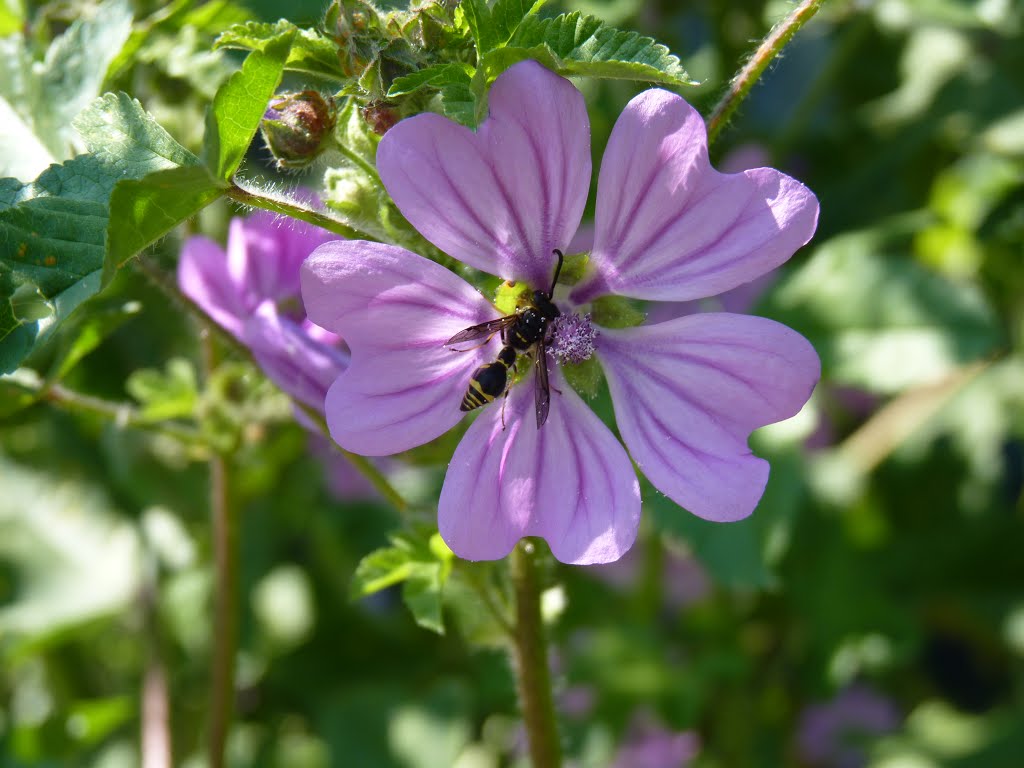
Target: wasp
524, 332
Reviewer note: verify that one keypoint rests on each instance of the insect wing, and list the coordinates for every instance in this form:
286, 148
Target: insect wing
542, 388
487, 329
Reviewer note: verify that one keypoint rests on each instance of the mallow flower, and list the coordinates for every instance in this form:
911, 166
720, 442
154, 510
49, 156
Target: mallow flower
686, 393
252, 292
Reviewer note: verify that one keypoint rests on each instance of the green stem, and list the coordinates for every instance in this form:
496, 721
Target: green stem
533, 676
770, 47
225, 617
249, 198
366, 467
377, 478
121, 414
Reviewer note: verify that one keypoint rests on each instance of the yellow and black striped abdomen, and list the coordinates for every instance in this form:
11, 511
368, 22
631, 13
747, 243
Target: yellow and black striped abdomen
489, 380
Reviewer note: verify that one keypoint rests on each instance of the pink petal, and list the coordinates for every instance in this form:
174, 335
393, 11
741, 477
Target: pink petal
297, 362
502, 198
275, 247
395, 311
203, 276
671, 228
689, 392
570, 482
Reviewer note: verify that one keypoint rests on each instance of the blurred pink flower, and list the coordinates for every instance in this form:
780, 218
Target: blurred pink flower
649, 744
687, 393
835, 734
252, 291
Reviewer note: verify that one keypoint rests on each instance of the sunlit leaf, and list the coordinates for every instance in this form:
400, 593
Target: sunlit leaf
240, 103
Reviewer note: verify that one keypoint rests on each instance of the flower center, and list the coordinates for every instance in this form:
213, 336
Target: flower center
572, 338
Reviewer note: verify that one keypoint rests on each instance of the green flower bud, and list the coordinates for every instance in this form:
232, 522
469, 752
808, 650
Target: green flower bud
295, 126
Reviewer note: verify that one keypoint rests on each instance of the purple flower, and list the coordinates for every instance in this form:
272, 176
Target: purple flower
252, 291
648, 744
687, 393
836, 733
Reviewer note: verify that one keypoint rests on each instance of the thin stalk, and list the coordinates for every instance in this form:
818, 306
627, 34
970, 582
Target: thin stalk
225, 617
122, 414
770, 47
533, 676
366, 467
377, 478
246, 197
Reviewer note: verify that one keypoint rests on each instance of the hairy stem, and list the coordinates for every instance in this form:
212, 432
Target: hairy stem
225, 610
770, 47
533, 677
247, 197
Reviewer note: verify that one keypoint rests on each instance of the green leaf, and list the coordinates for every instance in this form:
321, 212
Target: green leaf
878, 319
144, 210
459, 103
575, 44
117, 130
421, 594
507, 15
11, 18
73, 72
53, 251
437, 76
478, 17
100, 320
168, 394
311, 52
53, 231
240, 103
420, 562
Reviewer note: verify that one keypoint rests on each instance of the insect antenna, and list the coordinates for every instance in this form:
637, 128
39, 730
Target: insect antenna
558, 271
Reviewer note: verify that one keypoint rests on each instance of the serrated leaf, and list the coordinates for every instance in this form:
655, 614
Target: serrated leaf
460, 104
116, 129
240, 103
478, 17
144, 210
576, 44
437, 76
53, 247
74, 70
53, 231
507, 15
420, 562
311, 51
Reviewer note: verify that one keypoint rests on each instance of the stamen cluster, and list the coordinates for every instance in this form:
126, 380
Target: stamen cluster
572, 338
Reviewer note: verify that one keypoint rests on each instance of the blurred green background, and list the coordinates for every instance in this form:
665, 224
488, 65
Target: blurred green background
871, 612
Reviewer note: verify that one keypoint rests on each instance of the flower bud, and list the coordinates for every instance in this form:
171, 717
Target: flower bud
380, 116
295, 126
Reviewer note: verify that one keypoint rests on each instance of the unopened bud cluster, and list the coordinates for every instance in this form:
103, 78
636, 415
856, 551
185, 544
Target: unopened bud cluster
295, 127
